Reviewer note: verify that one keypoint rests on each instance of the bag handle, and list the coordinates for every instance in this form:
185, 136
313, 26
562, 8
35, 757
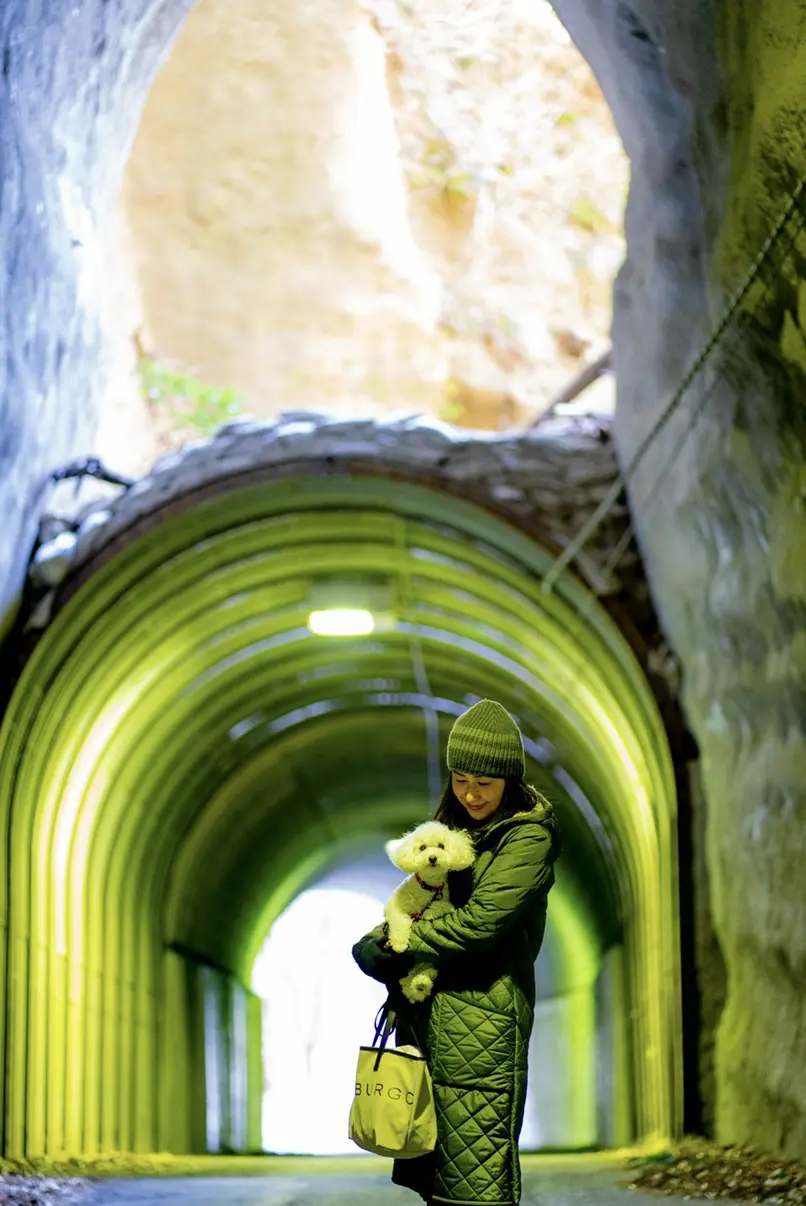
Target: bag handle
383, 1028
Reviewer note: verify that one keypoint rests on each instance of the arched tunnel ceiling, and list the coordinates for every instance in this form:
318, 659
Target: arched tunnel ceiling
182, 747
547, 481
548, 474
199, 629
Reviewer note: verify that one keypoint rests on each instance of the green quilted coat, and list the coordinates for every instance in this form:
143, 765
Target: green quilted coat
476, 1027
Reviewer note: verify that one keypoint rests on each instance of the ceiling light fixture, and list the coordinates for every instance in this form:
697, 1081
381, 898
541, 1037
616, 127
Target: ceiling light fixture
342, 622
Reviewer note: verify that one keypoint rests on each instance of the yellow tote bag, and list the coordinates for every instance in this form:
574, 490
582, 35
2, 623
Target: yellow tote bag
393, 1108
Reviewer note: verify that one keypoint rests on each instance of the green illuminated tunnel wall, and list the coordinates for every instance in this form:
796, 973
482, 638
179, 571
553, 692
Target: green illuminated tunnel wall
182, 756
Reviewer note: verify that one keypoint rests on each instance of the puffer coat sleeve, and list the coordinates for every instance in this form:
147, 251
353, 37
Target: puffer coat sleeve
509, 888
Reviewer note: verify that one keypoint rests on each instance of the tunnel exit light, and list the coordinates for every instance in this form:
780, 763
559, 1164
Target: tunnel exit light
341, 621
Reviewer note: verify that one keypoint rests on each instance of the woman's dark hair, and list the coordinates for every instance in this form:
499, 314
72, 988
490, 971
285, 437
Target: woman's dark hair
518, 797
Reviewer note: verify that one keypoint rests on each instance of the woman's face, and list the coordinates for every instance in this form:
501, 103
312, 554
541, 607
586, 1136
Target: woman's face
479, 795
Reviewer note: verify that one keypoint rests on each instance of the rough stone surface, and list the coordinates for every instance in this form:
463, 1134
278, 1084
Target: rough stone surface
716, 141
553, 482
36, 1191
72, 83
267, 162
381, 206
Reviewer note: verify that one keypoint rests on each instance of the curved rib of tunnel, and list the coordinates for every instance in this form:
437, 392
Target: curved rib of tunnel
182, 756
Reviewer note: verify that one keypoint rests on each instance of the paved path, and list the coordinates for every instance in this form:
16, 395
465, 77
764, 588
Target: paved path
546, 1183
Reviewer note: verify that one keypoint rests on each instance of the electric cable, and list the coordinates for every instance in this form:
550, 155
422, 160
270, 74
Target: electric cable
651, 497
572, 550
737, 331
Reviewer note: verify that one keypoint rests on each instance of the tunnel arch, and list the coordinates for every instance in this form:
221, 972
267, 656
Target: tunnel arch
176, 686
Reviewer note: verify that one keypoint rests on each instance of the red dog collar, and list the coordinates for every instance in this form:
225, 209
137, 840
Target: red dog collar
438, 890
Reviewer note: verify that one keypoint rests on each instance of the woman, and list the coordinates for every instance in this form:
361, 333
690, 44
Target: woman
475, 1028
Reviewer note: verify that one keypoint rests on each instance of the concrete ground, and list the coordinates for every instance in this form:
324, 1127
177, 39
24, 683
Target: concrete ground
547, 1181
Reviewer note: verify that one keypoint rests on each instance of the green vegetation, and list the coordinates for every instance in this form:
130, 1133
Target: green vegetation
441, 170
451, 410
190, 403
585, 214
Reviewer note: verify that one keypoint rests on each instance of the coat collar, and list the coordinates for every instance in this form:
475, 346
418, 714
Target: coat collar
541, 815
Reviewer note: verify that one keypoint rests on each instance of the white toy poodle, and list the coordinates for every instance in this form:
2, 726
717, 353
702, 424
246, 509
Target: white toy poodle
428, 853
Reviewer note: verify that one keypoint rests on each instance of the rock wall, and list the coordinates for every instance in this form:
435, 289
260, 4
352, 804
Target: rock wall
72, 83
268, 209
716, 141
128, 434
378, 208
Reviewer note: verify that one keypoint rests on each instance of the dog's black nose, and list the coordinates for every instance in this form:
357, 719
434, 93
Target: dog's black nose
433, 860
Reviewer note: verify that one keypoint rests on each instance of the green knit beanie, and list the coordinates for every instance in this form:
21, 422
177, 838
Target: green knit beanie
486, 741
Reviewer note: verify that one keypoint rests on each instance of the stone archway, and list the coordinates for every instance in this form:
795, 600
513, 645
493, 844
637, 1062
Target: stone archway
711, 169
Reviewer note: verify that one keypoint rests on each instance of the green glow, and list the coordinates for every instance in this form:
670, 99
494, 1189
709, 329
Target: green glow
580, 963
341, 622
182, 754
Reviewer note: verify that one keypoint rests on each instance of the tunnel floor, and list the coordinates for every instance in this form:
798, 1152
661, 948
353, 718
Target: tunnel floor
552, 1181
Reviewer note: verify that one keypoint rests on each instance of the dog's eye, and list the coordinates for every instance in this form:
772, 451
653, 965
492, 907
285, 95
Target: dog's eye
441, 845
422, 847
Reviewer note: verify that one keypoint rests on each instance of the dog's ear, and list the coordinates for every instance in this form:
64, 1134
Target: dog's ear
401, 852
392, 847
461, 850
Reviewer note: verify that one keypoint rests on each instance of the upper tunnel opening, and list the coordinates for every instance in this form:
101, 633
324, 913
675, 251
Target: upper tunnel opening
183, 756
388, 266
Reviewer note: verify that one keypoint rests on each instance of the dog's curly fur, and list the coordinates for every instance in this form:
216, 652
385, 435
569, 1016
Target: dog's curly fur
430, 851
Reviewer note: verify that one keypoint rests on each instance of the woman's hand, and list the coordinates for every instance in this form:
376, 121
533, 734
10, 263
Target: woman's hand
375, 957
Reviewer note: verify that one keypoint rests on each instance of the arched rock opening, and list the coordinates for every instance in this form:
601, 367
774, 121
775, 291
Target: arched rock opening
712, 167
